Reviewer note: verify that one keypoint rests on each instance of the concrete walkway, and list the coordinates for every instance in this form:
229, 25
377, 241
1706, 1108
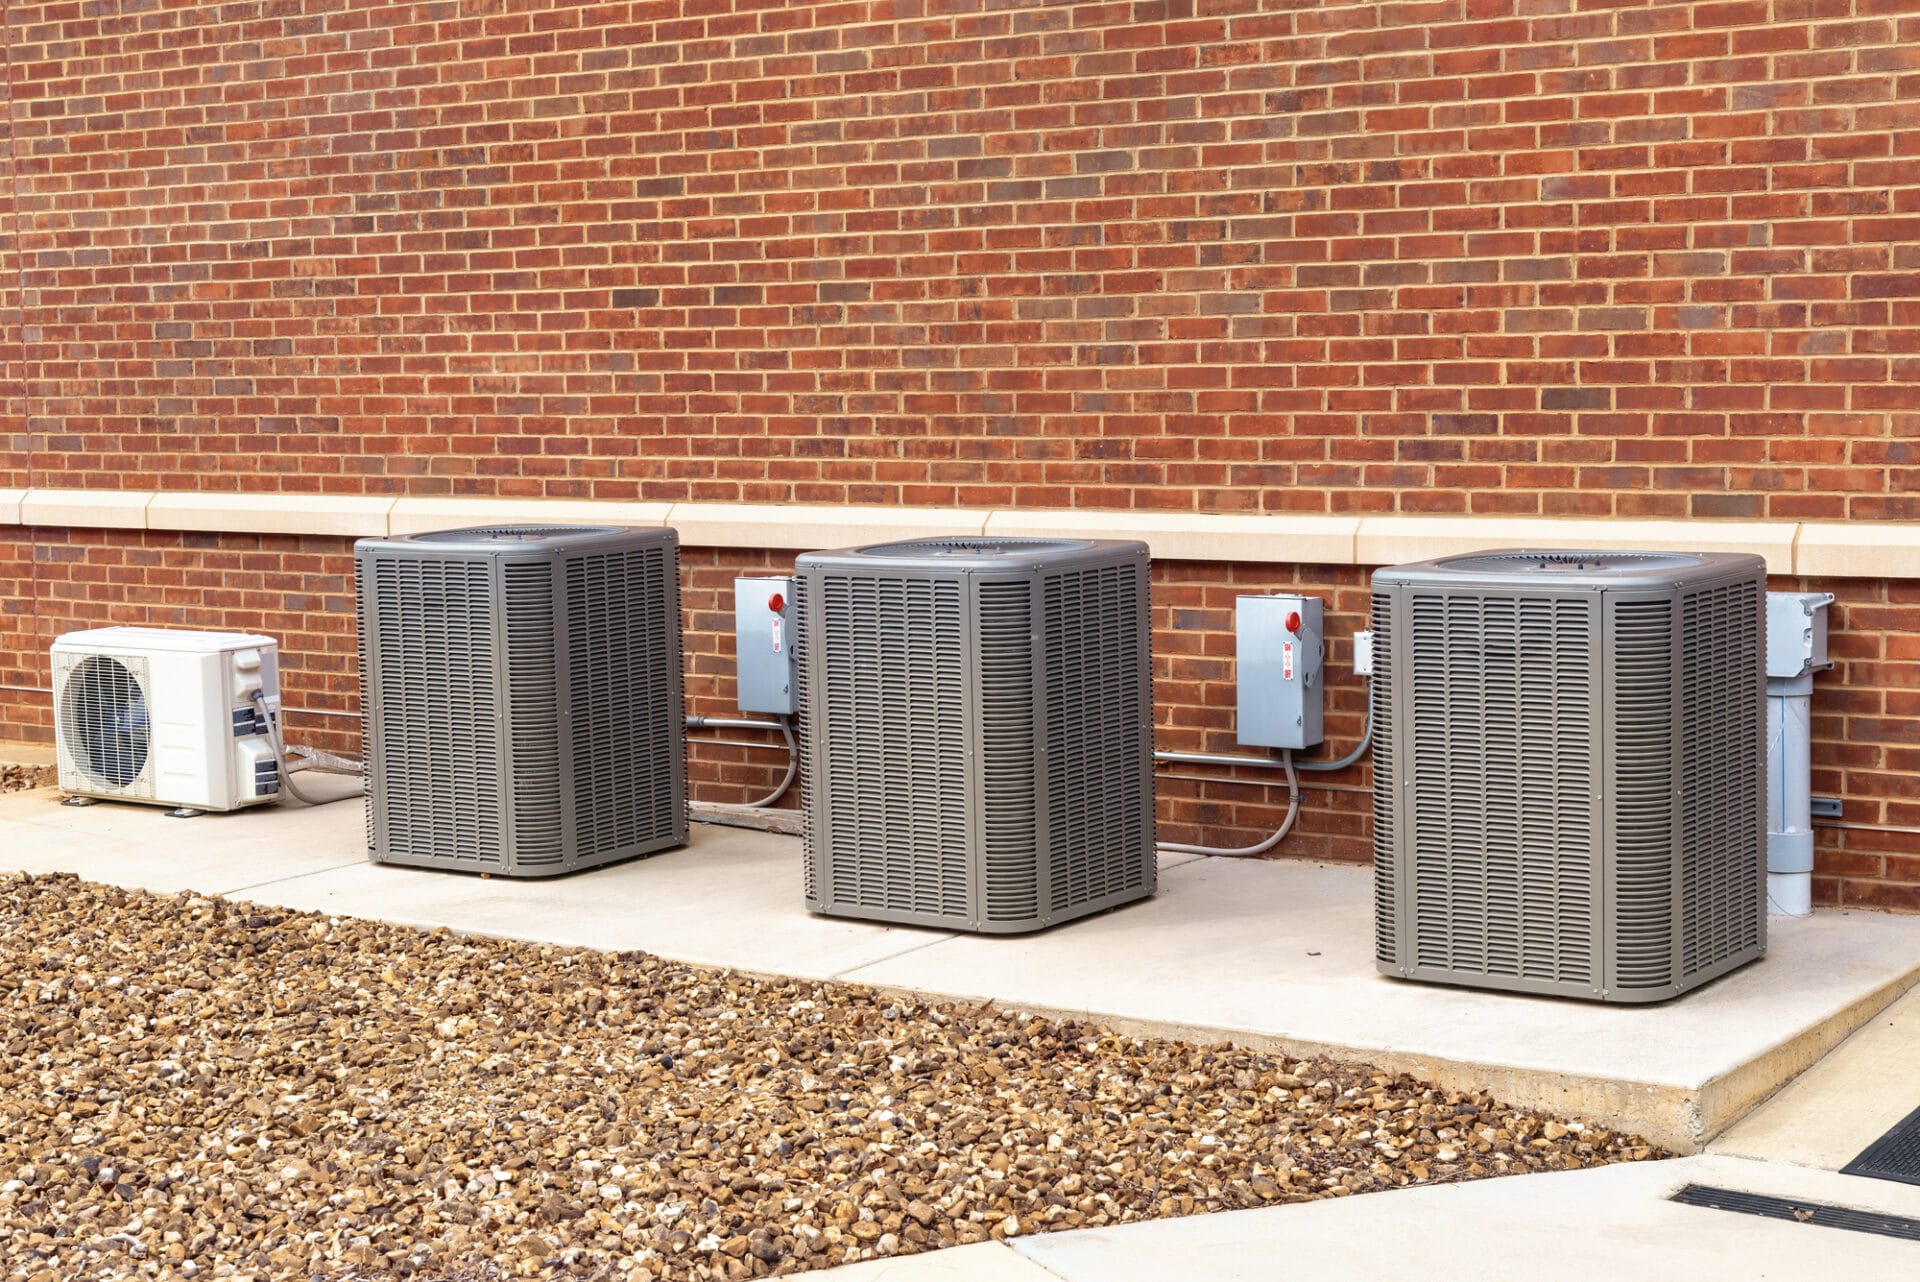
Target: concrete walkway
1275, 955
1842, 1104
1614, 1222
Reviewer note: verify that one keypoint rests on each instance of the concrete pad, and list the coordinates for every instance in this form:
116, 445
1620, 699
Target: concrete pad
1279, 955
127, 844
1614, 1222
981, 1262
1826, 1116
1275, 955
730, 897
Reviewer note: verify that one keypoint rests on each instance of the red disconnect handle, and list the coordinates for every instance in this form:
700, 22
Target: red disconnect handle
1293, 621
776, 603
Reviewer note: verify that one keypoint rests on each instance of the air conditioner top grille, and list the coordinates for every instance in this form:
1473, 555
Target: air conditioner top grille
1569, 569
961, 555
975, 549
515, 534
1568, 562
516, 542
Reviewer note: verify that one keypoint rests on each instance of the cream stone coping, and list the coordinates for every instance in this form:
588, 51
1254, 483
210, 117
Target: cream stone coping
88, 509
806, 528
344, 515
419, 516
1867, 550
1862, 549
1395, 540
1197, 536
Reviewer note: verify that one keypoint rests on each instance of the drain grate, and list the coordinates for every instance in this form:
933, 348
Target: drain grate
1894, 1156
1780, 1208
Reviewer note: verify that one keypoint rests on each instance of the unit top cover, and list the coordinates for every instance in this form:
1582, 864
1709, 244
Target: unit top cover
515, 539
173, 640
962, 553
1564, 568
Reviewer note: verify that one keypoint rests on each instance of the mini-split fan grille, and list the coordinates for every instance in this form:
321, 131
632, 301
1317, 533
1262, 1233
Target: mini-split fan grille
105, 726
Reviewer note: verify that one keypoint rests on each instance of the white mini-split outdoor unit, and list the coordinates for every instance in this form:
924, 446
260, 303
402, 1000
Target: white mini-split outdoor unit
522, 697
978, 723
1569, 782
166, 716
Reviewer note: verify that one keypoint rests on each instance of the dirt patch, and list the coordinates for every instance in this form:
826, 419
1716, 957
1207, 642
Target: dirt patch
16, 777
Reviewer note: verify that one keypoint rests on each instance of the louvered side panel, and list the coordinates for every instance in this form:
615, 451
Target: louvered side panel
1009, 770
1386, 854
370, 758
1432, 818
1721, 859
533, 710
432, 631
892, 736
1559, 797
1098, 734
1500, 818
803, 734
1512, 919
1641, 765
624, 701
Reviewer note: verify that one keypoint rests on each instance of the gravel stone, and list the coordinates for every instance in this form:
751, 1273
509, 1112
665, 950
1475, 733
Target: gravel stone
196, 1088
19, 777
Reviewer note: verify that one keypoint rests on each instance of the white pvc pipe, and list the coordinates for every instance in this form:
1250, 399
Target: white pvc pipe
1789, 798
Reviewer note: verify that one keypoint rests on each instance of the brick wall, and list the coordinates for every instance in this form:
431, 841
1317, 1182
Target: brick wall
1866, 712
1550, 257
1559, 256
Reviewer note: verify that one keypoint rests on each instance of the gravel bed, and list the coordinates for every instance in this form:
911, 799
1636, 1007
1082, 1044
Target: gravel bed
191, 1087
17, 776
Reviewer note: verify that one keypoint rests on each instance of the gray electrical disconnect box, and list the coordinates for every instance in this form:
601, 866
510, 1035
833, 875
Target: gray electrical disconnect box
763, 644
1797, 634
1278, 650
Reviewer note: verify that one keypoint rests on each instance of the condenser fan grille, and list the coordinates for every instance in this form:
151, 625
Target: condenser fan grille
104, 721
514, 534
1568, 563
963, 549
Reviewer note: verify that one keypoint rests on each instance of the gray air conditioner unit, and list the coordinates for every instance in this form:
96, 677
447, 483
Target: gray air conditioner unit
1569, 787
978, 718
522, 697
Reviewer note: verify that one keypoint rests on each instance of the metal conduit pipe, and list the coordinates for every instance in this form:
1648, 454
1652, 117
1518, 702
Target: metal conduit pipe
1259, 847
335, 765
1225, 759
783, 724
